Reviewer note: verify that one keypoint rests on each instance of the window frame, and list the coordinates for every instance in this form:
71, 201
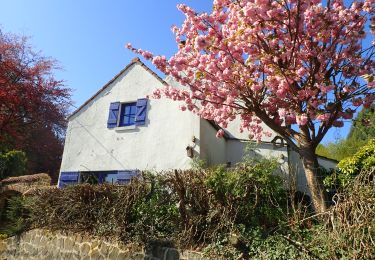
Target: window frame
122, 114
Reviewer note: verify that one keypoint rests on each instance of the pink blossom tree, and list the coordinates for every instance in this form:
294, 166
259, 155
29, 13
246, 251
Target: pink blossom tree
299, 66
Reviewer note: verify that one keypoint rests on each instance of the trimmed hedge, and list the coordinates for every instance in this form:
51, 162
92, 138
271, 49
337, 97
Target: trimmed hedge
194, 207
240, 213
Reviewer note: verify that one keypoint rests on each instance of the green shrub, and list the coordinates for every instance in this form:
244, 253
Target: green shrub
155, 216
253, 189
16, 216
348, 168
12, 163
214, 202
362, 160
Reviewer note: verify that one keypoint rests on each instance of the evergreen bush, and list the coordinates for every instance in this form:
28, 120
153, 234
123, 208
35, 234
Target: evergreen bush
12, 163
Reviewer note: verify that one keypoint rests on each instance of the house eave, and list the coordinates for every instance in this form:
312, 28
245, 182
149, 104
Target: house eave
326, 158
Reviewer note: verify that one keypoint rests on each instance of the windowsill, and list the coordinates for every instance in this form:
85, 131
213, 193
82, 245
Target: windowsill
125, 128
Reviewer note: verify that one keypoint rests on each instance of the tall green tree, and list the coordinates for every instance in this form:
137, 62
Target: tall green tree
361, 131
363, 128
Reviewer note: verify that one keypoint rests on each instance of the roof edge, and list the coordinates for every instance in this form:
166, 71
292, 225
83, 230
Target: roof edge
326, 158
217, 128
136, 60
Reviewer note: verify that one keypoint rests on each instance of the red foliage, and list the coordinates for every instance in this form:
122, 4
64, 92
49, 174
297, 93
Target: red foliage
33, 104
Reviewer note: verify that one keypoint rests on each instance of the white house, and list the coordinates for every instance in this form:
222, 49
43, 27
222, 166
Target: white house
119, 131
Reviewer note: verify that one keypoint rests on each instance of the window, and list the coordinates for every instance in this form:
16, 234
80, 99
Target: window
127, 114
111, 177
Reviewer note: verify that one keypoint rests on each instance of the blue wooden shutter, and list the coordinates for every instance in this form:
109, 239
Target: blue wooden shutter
113, 114
140, 116
68, 178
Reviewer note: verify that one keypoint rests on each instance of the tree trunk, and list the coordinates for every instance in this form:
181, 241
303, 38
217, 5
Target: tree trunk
314, 180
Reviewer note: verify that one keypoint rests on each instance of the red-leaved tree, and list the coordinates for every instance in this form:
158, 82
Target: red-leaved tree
33, 104
296, 65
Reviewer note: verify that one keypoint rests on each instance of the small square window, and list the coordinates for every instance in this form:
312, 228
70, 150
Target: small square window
127, 114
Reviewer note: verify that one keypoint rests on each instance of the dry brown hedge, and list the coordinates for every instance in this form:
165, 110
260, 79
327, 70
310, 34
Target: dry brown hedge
181, 206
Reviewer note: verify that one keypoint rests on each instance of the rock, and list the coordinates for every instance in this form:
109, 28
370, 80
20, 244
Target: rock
85, 249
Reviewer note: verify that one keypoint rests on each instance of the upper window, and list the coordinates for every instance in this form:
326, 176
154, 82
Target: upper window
127, 114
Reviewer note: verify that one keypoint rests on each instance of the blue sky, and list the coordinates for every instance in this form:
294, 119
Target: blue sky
87, 38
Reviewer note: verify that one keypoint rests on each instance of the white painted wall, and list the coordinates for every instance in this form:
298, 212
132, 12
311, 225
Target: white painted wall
236, 150
234, 130
299, 173
213, 149
327, 163
159, 145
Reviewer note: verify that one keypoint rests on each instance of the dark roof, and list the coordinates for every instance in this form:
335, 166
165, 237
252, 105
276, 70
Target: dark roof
134, 61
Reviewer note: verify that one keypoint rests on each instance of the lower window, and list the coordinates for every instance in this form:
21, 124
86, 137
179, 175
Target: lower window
111, 177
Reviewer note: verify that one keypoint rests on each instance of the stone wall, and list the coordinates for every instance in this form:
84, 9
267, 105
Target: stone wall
44, 244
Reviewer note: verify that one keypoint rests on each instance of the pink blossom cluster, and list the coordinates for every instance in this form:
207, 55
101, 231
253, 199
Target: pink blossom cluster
280, 62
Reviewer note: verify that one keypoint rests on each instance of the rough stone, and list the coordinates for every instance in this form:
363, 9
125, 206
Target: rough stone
78, 238
139, 256
103, 249
85, 249
94, 244
121, 256
114, 253
44, 244
60, 242
68, 244
191, 255
3, 246
94, 254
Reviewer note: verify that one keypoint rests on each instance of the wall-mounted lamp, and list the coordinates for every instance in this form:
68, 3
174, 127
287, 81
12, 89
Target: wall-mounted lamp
282, 158
190, 151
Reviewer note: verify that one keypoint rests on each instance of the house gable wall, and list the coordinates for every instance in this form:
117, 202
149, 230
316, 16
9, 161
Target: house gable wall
213, 149
158, 145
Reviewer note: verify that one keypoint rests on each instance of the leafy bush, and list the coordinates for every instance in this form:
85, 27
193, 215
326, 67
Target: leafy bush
348, 168
252, 189
12, 163
16, 216
362, 160
155, 215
